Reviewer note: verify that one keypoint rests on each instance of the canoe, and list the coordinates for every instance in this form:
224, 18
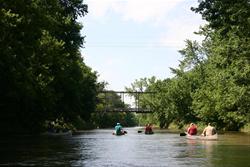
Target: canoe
67, 133
118, 134
149, 133
196, 137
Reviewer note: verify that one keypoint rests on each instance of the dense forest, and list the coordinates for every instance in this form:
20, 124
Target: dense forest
44, 77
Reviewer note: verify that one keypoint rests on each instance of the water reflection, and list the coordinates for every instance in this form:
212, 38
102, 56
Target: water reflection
101, 148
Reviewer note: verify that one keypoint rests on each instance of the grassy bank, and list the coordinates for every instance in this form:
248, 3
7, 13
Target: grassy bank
246, 128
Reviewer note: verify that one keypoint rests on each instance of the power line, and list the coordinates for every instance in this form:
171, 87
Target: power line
135, 45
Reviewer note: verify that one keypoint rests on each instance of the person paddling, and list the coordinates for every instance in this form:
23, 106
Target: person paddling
118, 129
192, 129
209, 130
148, 129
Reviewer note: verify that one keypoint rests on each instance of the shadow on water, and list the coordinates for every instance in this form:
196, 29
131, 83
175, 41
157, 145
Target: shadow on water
101, 148
35, 150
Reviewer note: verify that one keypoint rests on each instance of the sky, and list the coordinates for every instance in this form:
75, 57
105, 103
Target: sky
127, 40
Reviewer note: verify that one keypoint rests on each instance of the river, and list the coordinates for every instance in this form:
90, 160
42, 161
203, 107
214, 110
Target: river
99, 148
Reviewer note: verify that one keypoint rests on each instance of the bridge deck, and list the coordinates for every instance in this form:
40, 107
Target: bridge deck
136, 110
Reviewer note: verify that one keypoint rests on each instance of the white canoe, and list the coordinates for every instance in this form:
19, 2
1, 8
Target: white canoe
195, 137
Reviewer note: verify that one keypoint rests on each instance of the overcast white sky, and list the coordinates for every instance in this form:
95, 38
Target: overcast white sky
132, 39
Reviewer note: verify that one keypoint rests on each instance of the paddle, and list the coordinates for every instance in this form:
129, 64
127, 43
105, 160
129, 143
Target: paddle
139, 131
183, 134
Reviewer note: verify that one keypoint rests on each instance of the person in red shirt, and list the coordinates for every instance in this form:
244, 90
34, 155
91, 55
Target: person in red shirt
148, 129
192, 129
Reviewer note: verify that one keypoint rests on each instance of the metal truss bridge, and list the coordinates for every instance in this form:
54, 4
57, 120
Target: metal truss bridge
121, 94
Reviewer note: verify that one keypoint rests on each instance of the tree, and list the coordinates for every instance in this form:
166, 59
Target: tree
108, 101
224, 96
226, 15
43, 76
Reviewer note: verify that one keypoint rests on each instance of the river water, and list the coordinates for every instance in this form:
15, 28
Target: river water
98, 148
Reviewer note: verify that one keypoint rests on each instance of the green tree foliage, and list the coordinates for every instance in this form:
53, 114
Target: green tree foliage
211, 83
43, 76
144, 101
107, 102
226, 15
224, 97
172, 99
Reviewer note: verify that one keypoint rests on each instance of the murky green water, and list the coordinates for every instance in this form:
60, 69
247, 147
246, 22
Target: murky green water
101, 148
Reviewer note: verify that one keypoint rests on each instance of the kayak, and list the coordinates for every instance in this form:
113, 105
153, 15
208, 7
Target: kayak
149, 133
195, 137
120, 134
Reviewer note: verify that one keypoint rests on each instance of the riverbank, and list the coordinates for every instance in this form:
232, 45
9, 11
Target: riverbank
173, 127
246, 128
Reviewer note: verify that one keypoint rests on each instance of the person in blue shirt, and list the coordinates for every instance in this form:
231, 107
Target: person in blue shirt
118, 129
